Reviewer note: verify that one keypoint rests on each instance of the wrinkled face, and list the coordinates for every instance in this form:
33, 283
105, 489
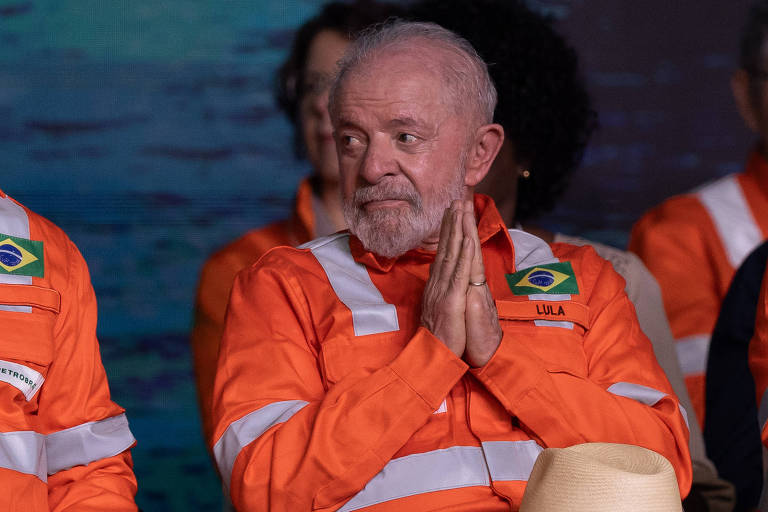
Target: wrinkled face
324, 52
402, 151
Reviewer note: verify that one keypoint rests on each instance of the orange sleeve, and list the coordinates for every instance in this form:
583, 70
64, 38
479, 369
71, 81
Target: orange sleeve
618, 394
88, 438
216, 280
284, 438
213, 292
758, 358
678, 243
674, 241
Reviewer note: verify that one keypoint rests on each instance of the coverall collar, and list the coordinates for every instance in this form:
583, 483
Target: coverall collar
489, 225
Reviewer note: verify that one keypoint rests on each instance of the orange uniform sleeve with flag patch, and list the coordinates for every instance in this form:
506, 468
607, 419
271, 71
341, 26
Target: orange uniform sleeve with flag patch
64, 445
604, 387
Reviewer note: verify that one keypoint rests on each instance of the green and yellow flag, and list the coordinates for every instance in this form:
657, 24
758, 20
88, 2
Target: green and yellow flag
21, 257
553, 278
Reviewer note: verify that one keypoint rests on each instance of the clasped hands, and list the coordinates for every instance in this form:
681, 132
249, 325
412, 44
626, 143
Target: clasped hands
460, 314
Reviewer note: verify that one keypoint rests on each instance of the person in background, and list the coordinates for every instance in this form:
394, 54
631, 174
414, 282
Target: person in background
693, 243
64, 444
302, 93
547, 118
731, 429
758, 365
424, 359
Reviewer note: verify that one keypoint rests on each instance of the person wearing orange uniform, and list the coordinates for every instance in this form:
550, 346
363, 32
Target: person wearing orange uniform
302, 94
64, 445
423, 360
693, 243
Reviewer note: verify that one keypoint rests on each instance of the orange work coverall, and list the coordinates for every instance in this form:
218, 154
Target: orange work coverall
693, 244
215, 285
64, 445
330, 396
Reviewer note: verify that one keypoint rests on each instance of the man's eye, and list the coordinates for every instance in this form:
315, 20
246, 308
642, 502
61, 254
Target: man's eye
406, 138
349, 140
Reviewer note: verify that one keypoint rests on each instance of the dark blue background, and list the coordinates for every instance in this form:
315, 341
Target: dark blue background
146, 129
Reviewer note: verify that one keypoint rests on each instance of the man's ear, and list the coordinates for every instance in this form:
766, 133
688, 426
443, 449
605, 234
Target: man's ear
486, 145
742, 92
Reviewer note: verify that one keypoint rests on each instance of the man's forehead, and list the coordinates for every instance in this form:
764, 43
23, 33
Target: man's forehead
404, 86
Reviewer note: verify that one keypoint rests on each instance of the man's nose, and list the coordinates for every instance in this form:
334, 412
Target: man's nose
378, 161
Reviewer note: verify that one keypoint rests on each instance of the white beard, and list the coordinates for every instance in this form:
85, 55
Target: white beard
391, 232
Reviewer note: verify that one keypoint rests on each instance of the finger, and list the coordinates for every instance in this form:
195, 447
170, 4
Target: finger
453, 246
469, 226
442, 243
460, 277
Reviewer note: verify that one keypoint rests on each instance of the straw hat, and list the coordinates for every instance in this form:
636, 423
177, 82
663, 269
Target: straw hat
601, 477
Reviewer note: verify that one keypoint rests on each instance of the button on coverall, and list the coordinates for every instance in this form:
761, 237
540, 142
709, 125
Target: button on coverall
64, 445
329, 396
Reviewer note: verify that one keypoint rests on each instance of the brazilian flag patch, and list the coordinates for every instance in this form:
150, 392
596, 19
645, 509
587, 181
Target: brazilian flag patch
553, 278
21, 257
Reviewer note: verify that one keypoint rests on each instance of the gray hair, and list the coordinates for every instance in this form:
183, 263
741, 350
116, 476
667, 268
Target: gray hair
466, 75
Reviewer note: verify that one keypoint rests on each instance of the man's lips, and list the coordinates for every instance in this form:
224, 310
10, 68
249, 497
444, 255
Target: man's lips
384, 203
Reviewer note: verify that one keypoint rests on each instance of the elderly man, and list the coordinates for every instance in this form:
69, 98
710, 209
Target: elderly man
423, 360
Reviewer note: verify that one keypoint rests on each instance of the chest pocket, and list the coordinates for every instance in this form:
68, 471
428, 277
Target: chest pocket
27, 318
553, 330
345, 355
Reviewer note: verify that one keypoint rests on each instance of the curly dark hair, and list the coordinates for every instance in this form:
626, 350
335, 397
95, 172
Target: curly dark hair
752, 39
543, 104
346, 18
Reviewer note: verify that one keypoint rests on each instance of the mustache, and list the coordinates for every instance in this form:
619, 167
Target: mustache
387, 190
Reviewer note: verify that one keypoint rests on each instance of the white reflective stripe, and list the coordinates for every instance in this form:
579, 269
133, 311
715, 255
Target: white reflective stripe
729, 210
242, 432
553, 297
644, 395
449, 468
24, 452
692, 352
553, 323
511, 460
18, 309
23, 378
88, 442
13, 219
15, 222
353, 286
762, 413
530, 250
438, 470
